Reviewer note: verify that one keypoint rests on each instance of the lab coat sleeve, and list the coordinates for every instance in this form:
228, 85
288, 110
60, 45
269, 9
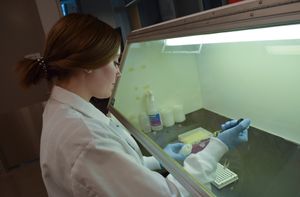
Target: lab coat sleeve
203, 164
151, 163
105, 169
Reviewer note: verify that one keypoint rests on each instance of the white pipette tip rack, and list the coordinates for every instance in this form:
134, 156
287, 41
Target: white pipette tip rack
224, 177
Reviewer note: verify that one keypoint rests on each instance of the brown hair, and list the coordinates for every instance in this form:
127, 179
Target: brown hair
75, 41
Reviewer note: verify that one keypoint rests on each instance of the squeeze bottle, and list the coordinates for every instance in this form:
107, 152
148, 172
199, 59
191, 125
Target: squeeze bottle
153, 113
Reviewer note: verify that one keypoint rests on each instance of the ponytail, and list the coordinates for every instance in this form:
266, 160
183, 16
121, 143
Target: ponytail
31, 71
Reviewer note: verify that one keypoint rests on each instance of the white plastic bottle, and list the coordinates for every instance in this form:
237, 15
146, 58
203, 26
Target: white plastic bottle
144, 122
153, 113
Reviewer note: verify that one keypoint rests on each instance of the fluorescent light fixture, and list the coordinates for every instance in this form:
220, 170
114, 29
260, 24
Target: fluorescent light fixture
286, 32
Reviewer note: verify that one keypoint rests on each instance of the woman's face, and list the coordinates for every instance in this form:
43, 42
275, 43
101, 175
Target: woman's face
101, 81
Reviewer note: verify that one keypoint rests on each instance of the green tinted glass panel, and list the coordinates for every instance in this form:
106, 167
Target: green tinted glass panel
216, 82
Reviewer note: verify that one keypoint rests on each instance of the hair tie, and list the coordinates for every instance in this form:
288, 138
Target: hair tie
42, 63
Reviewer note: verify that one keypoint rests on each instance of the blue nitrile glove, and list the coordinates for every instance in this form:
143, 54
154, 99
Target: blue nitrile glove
233, 134
173, 151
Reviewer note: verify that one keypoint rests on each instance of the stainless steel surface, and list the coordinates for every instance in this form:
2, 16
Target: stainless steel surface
267, 165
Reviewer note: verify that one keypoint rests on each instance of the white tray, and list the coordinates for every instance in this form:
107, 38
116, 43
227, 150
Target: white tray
224, 177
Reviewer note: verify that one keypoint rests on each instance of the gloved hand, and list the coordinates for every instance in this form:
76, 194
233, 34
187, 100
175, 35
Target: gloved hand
233, 134
173, 151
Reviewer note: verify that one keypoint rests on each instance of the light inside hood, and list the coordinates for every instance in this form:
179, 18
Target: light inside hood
286, 32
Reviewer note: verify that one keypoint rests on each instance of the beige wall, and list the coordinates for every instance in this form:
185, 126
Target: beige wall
21, 33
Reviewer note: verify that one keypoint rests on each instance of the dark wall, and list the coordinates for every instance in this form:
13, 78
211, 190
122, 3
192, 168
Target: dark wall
21, 33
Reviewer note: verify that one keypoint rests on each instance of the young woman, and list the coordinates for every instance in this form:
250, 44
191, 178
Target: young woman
83, 153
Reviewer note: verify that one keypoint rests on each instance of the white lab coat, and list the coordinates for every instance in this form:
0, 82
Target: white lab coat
84, 154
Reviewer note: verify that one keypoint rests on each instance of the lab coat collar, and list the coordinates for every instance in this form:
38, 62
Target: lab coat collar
73, 100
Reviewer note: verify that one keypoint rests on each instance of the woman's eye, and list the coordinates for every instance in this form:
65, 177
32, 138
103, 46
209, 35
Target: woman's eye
117, 64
